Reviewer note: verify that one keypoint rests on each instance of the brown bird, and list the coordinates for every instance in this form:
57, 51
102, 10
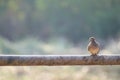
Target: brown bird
93, 46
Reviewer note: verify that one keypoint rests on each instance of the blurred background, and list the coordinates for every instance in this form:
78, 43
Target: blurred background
51, 27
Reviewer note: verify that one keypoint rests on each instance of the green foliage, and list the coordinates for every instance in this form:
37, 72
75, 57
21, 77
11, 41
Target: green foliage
33, 46
75, 20
6, 47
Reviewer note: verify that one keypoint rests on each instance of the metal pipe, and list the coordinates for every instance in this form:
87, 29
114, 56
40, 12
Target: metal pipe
58, 60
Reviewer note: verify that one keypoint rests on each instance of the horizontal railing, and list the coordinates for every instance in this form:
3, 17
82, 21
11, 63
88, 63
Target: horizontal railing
58, 60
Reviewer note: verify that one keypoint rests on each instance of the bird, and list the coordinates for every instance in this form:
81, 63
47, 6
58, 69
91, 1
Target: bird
93, 46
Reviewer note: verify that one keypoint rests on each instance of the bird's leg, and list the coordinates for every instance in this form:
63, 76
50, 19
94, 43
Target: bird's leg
93, 54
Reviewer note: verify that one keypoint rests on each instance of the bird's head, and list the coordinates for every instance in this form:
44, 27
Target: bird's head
91, 39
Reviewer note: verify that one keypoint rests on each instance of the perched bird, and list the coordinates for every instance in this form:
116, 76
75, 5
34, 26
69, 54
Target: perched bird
93, 46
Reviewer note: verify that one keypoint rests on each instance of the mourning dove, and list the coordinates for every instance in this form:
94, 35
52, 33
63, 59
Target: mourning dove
93, 46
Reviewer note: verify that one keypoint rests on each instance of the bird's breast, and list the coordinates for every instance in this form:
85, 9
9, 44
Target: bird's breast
94, 49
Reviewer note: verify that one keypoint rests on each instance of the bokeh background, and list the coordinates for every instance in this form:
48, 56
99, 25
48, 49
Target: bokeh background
51, 27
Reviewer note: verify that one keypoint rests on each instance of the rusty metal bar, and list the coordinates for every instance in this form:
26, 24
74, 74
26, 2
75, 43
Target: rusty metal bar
58, 60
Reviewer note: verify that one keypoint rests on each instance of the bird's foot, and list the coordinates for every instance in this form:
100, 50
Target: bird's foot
94, 55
